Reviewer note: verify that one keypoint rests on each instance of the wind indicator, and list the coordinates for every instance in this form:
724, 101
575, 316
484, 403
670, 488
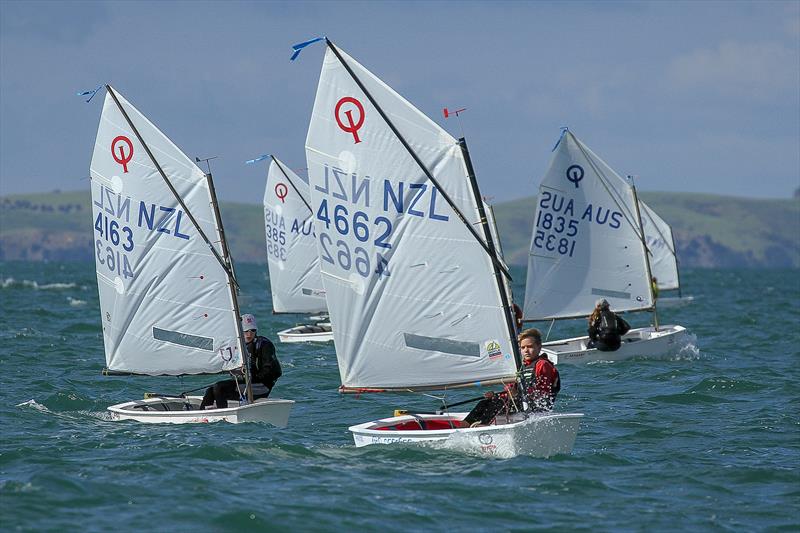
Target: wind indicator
257, 159
206, 161
90, 93
297, 48
447, 114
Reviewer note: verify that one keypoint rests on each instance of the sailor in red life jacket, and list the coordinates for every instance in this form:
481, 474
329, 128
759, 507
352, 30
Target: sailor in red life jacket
544, 383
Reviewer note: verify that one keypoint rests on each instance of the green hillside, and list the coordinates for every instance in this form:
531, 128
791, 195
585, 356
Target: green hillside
710, 230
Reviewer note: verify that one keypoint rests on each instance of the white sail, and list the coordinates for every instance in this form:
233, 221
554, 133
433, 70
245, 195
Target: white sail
292, 257
164, 297
663, 259
411, 292
586, 242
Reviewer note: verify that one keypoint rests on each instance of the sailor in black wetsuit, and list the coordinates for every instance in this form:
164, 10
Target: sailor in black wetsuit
265, 369
606, 328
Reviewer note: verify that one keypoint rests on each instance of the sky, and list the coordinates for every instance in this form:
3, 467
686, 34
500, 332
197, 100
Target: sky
689, 96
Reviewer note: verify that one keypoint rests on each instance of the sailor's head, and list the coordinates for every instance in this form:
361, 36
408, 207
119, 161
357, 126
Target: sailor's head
530, 344
602, 303
249, 327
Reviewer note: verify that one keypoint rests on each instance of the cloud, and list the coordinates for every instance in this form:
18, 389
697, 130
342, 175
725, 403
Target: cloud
758, 70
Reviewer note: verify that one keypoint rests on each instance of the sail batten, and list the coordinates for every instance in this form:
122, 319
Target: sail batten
165, 293
408, 280
586, 242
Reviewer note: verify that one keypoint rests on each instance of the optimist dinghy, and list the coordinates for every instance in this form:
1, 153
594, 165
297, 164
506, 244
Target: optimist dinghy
414, 281
588, 243
168, 293
185, 409
639, 342
292, 258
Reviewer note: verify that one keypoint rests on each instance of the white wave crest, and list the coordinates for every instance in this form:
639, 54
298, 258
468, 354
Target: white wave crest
11, 282
74, 302
688, 349
33, 404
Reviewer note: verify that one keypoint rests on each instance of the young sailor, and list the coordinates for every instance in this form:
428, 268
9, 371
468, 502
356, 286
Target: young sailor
606, 328
543, 384
265, 369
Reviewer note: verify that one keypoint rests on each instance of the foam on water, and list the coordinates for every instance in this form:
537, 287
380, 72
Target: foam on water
33, 404
11, 282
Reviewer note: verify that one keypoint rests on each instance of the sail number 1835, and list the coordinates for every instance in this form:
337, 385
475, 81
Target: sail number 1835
555, 234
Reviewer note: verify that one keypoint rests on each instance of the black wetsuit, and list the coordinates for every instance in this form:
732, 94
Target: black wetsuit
265, 369
606, 331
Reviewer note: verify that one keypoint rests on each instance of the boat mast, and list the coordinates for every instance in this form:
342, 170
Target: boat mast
646, 252
677, 265
233, 287
507, 310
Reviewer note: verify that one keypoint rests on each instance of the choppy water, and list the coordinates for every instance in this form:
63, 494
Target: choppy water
707, 440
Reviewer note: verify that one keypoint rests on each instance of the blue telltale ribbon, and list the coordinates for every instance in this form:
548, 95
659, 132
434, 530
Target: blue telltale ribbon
299, 47
257, 159
92, 93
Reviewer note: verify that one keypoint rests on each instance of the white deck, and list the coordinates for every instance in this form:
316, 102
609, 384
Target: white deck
319, 332
640, 342
162, 410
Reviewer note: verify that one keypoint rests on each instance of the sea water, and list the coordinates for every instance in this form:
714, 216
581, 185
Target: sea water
707, 439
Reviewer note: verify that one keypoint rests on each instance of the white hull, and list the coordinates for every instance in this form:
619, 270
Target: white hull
538, 435
321, 332
671, 303
640, 342
162, 410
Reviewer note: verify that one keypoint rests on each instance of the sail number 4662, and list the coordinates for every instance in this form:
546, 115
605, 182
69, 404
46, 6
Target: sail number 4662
343, 223
358, 259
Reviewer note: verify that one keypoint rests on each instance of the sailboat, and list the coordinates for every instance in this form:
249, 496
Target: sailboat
292, 258
588, 244
414, 283
663, 257
168, 293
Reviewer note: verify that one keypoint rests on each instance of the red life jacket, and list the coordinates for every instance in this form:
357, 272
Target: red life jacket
546, 383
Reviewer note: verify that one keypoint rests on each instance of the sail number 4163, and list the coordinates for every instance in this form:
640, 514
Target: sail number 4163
112, 235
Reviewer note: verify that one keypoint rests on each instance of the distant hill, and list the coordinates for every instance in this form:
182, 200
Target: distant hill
710, 230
